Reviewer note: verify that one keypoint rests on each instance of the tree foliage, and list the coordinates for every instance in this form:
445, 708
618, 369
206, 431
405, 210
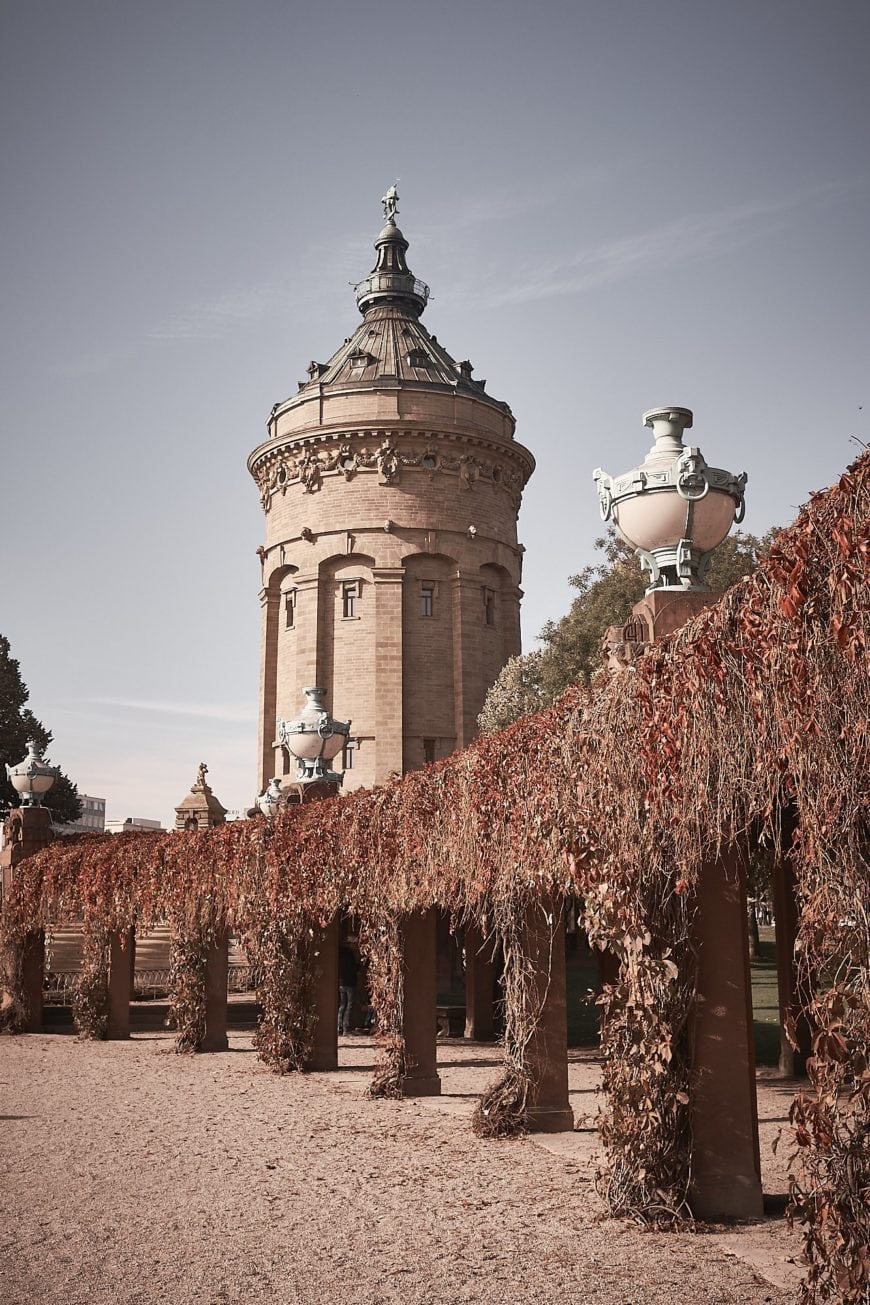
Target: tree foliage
606, 593
18, 726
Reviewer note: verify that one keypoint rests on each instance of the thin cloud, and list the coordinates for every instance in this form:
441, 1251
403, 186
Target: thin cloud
691, 237
213, 318
237, 714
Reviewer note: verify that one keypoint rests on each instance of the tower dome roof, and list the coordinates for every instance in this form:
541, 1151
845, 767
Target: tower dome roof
391, 346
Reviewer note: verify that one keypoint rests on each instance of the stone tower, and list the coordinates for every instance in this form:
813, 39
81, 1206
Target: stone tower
391, 484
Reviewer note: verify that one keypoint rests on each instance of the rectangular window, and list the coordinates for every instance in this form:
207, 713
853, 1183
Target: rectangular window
290, 609
489, 606
427, 598
429, 750
350, 599
350, 753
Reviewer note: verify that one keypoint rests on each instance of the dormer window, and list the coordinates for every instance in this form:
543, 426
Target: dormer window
419, 358
359, 359
315, 369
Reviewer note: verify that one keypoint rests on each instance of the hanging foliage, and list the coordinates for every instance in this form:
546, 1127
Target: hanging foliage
284, 952
90, 1001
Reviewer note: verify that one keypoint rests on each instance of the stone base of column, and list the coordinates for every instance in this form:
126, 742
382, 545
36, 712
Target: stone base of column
727, 1196
421, 1005
544, 1120
422, 1087
216, 978
324, 1053
120, 982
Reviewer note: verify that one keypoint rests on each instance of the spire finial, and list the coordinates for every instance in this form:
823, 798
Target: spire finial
390, 202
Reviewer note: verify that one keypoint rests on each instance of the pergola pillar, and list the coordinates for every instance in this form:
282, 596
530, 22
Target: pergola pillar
420, 1016
479, 985
726, 1164
27, 830
217, 967
792, 1060
324, 1053
543, 941
121, 961
33, 977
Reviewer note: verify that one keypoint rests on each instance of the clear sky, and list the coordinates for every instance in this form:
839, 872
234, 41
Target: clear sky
617, 205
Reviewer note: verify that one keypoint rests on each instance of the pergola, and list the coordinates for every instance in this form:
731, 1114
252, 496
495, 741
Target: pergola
643, 796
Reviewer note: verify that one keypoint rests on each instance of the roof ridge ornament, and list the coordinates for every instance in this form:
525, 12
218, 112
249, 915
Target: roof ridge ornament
390, 202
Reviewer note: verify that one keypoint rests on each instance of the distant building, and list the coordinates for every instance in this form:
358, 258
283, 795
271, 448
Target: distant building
91, 821
132, 822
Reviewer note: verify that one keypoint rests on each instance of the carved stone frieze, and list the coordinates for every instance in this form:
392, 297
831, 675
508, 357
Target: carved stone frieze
310, 463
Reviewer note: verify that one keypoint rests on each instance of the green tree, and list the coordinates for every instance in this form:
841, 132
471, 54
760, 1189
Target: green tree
18, 726
515, 693
606, 593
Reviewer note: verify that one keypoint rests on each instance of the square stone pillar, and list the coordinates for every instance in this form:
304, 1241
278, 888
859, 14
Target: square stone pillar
543, 941
419, 958
792, 1060
216, 978
121, 960
726, 1165
479, 985
324, 1053
33, 977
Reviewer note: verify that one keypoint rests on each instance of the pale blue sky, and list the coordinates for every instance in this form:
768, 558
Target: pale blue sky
616, 205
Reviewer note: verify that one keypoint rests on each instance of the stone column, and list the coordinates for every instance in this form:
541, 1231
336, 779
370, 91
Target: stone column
792, 1060
726, 1166
27, 830
216, 977
389, 708
324, 1053
121, 953
543, 941
479, 985
421, 1010
33, 978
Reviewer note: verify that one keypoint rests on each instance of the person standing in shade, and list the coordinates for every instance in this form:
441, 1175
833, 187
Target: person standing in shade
348, 971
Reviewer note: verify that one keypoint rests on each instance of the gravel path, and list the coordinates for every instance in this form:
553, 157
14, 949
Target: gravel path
134, 1176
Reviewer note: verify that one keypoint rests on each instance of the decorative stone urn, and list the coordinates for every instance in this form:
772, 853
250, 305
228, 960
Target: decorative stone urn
32, 777
314, 739
674, 508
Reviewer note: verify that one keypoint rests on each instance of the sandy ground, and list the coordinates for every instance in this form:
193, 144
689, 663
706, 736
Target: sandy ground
134, 1176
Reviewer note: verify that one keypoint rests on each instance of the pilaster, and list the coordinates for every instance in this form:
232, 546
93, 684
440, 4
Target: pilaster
389, 758
467, 623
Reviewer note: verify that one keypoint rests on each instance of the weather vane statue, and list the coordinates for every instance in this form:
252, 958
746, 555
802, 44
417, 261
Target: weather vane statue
390, 202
